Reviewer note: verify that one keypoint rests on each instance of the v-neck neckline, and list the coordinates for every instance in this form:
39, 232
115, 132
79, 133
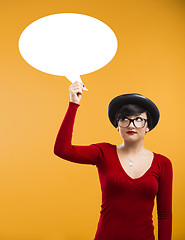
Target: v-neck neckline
120, 165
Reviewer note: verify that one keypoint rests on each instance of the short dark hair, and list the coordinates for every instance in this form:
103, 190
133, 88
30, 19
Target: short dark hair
132, 109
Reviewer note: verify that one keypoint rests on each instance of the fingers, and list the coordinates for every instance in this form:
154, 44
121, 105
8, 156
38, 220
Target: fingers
77, 86
75, 90
76, 83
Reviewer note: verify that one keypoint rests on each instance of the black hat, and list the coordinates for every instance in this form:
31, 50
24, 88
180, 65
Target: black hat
134, 98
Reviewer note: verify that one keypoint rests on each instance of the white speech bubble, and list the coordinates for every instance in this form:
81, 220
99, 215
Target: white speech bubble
68, 44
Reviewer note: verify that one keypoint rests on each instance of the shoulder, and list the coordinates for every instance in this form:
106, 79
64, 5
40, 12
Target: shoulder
163, 161
104, 145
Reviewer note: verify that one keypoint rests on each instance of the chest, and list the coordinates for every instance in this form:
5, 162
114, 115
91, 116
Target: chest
135, 167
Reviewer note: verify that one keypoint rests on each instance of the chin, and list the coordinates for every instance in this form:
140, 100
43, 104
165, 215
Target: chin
132, 139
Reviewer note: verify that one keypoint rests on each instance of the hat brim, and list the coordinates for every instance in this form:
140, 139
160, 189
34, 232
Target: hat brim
134, 98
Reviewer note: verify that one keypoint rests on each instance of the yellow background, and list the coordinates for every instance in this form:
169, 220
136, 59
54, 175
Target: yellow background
44, 197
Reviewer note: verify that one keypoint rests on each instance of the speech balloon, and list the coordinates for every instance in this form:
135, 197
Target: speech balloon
68, 44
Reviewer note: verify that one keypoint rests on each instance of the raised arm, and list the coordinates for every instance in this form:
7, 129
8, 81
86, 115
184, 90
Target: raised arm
91, 154
164, 201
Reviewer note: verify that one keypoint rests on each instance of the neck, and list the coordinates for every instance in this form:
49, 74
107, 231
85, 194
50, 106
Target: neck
133, 147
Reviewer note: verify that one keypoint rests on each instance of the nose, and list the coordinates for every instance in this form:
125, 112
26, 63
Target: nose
131, 125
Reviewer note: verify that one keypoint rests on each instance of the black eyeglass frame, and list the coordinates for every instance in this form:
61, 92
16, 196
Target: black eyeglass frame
132, 120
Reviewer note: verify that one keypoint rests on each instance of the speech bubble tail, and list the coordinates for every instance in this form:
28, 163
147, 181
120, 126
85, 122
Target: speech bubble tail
72, 78
84, 88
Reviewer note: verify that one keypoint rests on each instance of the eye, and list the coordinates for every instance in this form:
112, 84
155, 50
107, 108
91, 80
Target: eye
139, 119
124, 119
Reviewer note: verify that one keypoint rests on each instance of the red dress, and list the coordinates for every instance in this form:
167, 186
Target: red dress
127, 203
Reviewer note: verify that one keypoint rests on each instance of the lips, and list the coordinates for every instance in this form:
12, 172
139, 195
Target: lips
131, 132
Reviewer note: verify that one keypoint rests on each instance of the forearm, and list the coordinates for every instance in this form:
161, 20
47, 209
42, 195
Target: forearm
164, 201
63, 147
64, 136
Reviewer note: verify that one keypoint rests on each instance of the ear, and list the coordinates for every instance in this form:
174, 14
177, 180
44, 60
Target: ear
147, 130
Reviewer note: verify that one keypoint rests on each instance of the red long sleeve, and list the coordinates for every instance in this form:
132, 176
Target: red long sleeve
164, 201
127, 203
63, 145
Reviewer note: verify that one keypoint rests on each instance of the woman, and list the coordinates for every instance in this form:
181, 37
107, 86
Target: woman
130, 175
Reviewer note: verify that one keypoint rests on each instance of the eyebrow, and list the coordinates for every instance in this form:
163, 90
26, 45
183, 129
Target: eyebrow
136, 116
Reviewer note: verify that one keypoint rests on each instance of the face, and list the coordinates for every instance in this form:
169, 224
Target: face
140, 132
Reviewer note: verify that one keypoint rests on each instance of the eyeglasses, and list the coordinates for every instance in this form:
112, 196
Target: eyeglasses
138, 122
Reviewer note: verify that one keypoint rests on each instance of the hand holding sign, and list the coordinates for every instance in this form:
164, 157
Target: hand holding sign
68, 44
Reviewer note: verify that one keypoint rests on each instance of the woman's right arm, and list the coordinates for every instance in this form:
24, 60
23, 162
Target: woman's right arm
63, 147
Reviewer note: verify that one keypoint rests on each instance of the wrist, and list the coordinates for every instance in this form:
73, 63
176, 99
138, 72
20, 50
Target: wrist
77, 103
